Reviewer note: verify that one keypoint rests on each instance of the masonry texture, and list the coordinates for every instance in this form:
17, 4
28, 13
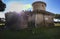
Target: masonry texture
39, 17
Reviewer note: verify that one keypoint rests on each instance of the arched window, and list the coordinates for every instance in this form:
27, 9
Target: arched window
42, 5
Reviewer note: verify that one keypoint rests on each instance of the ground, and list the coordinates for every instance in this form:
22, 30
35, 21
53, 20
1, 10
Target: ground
35, 33
57, 24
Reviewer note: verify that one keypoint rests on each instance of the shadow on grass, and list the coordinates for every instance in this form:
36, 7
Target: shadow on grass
34, 33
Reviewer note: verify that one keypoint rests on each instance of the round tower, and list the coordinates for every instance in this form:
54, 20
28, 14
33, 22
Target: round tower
39, 5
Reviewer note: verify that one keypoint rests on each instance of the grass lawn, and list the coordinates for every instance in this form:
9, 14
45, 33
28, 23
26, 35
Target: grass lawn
57, 24
1, 24
36, 33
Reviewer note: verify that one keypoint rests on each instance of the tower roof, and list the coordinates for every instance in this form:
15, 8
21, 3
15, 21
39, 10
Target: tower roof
39, 2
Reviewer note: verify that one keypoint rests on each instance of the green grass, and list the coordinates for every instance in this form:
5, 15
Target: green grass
57, 24
35, 33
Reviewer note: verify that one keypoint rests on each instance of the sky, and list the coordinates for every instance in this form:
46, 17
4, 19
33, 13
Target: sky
19, 5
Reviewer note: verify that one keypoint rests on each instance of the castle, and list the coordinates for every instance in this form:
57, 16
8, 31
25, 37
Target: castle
39, 17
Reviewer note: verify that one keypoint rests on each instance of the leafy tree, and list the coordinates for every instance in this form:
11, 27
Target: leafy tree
57, 16
2, 6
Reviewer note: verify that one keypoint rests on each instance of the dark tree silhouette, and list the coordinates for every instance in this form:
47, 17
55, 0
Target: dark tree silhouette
57, 16
2, 6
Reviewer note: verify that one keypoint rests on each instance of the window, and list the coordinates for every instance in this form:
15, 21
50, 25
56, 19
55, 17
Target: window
42, 5
46, 18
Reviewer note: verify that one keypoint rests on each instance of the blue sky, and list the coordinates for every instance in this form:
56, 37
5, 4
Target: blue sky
52, 5
13, 5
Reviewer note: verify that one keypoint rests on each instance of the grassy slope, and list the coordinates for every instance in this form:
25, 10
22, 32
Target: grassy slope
57, 24
36, 33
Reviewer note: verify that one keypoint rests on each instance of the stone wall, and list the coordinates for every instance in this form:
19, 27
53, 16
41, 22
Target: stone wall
39, 6
42, 20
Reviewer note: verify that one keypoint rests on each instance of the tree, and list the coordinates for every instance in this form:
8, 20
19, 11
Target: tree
57, 16
2, 6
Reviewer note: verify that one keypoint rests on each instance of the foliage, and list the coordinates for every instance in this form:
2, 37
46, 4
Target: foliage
57, 16
2, 6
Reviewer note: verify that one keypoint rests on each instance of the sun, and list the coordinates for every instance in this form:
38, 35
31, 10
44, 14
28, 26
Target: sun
15, 6
27, 6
